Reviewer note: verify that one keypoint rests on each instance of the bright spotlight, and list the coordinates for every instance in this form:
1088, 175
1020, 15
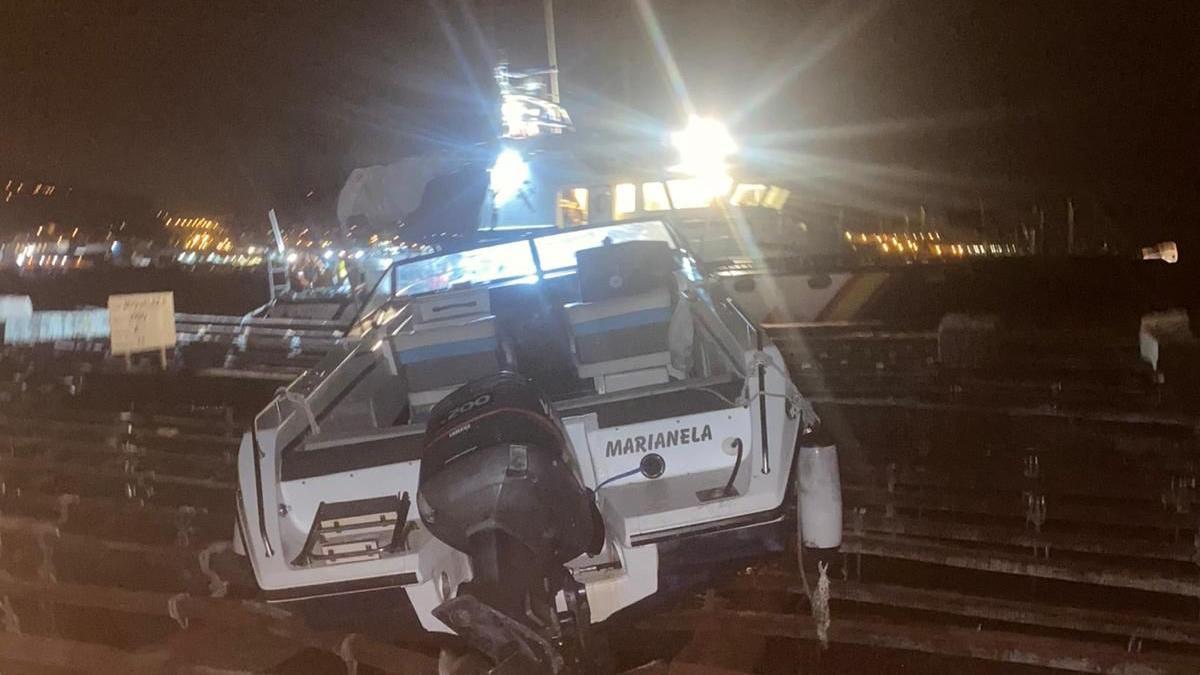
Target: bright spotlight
512, 114
292, 257
509, 173
703, 145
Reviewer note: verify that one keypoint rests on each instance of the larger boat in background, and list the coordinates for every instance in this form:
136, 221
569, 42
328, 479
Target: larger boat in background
786, 255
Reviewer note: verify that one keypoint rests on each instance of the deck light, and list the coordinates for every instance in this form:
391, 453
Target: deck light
703, 145
509, 173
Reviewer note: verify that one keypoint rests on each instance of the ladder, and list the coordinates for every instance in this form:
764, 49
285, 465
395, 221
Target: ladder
278, 279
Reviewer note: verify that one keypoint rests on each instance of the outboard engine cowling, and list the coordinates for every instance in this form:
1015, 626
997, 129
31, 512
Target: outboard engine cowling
498, 482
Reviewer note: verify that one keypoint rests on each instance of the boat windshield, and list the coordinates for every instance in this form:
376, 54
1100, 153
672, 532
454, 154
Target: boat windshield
484, 265
501, 262
557, 251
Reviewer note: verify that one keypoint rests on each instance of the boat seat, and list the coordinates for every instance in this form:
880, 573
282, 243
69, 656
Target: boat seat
438, 359
621, 342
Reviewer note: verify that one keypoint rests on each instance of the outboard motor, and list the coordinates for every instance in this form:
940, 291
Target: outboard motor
499, 483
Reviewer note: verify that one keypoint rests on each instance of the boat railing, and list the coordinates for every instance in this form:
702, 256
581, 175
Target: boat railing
377, 297
313, 405
711, 320
756, 338
753, 332
313, 396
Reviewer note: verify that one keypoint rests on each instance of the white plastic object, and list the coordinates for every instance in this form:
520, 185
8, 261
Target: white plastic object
820, 496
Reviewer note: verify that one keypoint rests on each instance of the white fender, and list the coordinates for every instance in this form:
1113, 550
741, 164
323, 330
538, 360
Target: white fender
820, 496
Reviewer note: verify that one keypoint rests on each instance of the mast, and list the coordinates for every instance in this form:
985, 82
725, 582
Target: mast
551, 49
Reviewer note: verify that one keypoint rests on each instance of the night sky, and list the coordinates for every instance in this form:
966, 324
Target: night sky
232, 107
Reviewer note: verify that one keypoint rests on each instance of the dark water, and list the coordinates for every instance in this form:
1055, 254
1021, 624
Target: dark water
1045, 292
200, 290
1102, 293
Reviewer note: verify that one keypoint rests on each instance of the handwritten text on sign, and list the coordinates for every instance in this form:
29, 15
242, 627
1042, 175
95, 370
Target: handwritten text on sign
141, 322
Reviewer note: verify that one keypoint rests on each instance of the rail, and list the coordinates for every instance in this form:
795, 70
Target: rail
943, 554
755, 334
362, 312
312, 418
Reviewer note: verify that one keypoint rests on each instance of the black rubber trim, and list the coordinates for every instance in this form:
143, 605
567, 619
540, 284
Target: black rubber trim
341, 588
362, 454
711, 551
762, 406
734, 523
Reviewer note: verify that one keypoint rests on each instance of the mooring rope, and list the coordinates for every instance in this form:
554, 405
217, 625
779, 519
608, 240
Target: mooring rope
820, 604
346, 652
217, 587
173, 609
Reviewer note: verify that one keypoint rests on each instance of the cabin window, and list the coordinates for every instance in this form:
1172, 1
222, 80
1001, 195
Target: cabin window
654, 197
698, 193
600, 204
748, 194
624, 200
775, 197
573, 207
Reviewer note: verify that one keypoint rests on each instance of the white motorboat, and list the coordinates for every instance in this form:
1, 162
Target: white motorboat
580, 418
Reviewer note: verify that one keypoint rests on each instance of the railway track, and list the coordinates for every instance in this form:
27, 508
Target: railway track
1044, 517
114, 529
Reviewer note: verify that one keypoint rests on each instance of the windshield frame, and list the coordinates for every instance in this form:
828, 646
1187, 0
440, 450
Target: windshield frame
398, 264
371, 305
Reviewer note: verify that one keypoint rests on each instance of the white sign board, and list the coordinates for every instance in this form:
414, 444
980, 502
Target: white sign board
15, 307
141, 322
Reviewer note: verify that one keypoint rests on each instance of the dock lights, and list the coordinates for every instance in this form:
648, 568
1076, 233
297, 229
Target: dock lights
508, 174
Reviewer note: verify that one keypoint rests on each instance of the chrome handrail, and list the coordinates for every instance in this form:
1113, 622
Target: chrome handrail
258, 492
284, 395
389, 274
752, 329
755, 335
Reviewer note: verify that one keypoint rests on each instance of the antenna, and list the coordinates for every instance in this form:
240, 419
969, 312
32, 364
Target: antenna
551, 49
526, 107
